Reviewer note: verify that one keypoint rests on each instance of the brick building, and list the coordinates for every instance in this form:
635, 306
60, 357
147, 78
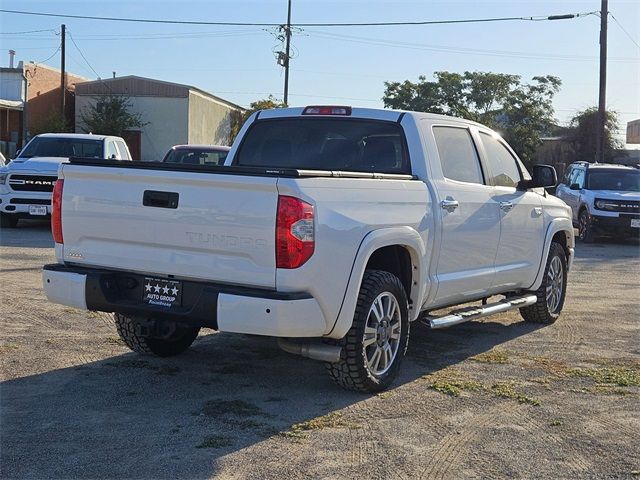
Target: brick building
30, 102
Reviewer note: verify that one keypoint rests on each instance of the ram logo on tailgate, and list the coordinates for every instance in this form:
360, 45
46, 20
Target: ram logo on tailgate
225, 241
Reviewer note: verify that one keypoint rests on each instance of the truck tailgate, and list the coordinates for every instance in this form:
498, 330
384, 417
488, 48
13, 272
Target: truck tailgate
222, 228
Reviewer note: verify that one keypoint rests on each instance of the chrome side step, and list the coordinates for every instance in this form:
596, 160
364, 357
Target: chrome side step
471, 313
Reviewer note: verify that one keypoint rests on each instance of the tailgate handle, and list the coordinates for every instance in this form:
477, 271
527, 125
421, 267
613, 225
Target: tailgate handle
154, 198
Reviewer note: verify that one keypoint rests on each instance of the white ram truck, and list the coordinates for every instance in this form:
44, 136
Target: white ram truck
27, 181
331, 228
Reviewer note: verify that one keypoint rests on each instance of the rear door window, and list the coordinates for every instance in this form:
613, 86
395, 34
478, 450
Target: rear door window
458, 156
325, 144
503, 165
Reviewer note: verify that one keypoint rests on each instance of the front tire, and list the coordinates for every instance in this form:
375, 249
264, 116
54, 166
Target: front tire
552, 291
8, 221
176, 343
374, 347
585, 228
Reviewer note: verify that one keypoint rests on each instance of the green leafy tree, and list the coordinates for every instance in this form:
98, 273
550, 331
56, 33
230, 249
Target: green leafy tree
110, 115
51, 123
582, 134
520, 111
238, 118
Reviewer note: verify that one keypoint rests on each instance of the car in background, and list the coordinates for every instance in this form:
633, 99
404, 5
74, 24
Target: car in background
26, 183
212, 155
604, 199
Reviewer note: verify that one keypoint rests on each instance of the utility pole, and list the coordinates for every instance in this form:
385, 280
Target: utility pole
287, 56
63, 82
602, 99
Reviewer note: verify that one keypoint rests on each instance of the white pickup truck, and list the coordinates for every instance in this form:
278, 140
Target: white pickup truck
27, 181
331, 228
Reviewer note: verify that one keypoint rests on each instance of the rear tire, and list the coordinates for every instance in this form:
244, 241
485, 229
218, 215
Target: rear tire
374, 347
552, 291
176, 343
8, 221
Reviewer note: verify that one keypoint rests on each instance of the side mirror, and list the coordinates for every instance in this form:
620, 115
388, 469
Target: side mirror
574, 186
543, 176
113, 157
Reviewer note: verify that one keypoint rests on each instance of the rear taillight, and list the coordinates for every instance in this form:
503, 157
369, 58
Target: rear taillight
294, 232
56, 212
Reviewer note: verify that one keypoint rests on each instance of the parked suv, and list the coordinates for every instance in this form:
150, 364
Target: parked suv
604, 199
27, 181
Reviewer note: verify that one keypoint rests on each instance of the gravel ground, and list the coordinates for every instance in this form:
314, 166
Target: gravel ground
491, 399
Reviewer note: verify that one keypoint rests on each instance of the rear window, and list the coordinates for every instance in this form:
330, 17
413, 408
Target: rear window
195, 156
325, 144
63, 147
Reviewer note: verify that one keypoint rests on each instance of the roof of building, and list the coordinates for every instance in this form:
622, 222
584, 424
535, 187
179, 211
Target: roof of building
136, 86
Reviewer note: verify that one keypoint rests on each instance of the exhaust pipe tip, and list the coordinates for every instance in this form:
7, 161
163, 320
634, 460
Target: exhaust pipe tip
315, 351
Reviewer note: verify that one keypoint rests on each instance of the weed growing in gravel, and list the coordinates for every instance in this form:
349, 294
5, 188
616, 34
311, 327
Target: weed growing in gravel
451, 382
492, 356
8, 347
507, 390
330, 420
216, 441
555, 423
620, 376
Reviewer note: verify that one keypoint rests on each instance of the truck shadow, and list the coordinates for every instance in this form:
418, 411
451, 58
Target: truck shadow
130, 416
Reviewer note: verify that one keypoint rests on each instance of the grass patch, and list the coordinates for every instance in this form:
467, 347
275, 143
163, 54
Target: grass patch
115, 341
492, 356
451, 382
620, 376
385, 394
8, 348
554, 367
508, 390
216, 441
239, 408
330, 420
555, 423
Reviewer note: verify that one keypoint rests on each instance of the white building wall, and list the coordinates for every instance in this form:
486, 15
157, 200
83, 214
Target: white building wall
209, 120
167, 122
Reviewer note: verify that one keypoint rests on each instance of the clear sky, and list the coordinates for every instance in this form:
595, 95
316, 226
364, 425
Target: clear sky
346, 65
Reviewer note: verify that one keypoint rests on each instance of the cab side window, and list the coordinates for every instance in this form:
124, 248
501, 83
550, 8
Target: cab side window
458, 156
124, 152
112, 153
504, 169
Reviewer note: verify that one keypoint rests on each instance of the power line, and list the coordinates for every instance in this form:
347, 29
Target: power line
29, 31
50, 57
623, 29
459, 50
82, 54
344, 24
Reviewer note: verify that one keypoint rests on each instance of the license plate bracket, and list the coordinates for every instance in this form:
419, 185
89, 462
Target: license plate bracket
37, 210
162, 292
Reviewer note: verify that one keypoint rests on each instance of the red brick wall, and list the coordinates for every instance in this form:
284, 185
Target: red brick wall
43, 99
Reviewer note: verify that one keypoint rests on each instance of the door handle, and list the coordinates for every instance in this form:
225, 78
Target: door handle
153, 198
506, 206
449, 204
